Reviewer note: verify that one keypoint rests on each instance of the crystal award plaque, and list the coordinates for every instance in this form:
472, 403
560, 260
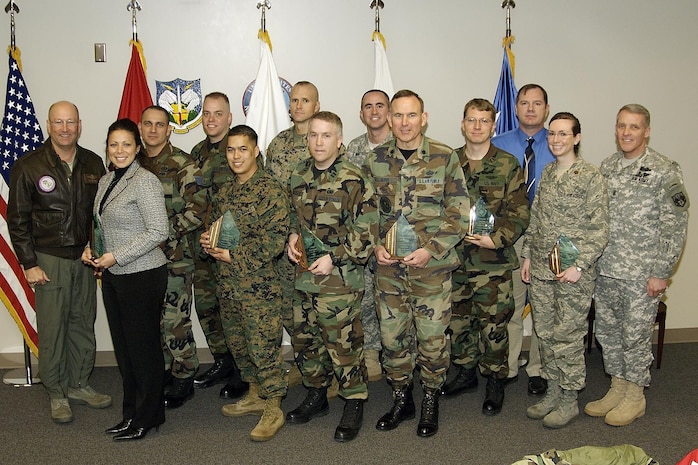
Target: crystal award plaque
401, 240
481, 219
310, 247
563, 255
224, 232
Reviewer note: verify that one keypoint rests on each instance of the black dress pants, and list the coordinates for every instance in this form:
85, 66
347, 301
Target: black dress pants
133, 304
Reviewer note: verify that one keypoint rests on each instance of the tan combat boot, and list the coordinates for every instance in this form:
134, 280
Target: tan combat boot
271, 422
250, 404
630, 408
373, 365
599, 408
548, 403
566, 411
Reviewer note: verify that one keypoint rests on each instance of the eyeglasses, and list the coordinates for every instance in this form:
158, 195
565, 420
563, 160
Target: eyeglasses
483, 121
561, 134
58, 123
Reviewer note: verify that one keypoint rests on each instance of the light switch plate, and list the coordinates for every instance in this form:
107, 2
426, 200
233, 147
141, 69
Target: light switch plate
100, 53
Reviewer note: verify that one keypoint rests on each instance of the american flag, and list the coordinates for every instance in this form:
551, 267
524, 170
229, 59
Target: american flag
20, 133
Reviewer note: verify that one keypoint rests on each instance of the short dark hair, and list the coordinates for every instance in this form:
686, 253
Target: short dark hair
156, 108
243, 130
408, 93
387, 99
525, 88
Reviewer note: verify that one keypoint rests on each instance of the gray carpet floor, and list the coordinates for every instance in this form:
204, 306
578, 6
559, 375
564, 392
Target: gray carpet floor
197, 433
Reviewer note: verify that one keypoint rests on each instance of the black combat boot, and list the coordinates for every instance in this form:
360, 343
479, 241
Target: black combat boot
181, 390
222, 369
403, 409
351, 421
429, 421
314, 405
235, 387
465, 381
494, 396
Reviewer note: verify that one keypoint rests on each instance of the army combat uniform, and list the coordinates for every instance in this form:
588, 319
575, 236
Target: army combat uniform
338, 206
285, 151
648, 207
185, 200
215, 173
248, 289
574, 204
357, 150
483, 299
429, 190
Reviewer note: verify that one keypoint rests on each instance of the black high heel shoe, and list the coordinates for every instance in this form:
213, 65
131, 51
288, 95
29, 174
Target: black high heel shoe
120, 427
133, 433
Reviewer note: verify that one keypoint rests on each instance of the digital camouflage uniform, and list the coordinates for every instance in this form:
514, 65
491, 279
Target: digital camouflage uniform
357, 150
338, 206
249, 290
483, 300
185, 200
215, 171
648, 207
575, 205
285, 151
429, 189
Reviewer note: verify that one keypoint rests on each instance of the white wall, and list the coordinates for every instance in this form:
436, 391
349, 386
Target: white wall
592, 56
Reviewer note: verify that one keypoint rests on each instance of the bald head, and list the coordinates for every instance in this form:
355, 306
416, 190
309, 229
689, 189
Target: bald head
64, 127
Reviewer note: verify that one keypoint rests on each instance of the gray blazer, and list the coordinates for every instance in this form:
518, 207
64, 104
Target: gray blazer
134, 220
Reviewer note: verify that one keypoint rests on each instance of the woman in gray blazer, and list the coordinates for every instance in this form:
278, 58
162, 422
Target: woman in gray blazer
130, 224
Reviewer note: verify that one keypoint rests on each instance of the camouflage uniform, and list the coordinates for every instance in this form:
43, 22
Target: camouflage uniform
648, 207
285, 151
248, 289
429, 189
338, 206
483, 300
357, 150
215, 172
185, 200
575, 204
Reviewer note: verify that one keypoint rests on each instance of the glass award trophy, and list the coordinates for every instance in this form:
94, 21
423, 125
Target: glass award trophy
401, 240
481, 219
563, 255
224, 232
310, 247
96, 242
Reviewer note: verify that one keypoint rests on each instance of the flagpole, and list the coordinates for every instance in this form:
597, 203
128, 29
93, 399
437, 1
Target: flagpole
508, 4
377, 5
15, 377
134, 7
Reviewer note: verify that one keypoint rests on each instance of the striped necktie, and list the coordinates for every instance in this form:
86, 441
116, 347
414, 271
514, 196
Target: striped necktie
530, 169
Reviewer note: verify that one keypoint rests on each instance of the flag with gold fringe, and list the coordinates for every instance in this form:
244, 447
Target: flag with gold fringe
20, 134
383, 79
267, 113
136, 96
505, 97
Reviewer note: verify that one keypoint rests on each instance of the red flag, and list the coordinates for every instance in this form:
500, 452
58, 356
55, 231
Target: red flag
20, 133
136, 96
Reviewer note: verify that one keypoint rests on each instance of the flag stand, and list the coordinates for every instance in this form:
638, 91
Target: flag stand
22, 377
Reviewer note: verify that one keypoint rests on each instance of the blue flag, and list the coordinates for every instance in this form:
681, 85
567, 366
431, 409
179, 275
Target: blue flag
505, 98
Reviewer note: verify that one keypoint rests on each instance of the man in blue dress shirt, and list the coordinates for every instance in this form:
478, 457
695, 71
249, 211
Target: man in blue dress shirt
529, 144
